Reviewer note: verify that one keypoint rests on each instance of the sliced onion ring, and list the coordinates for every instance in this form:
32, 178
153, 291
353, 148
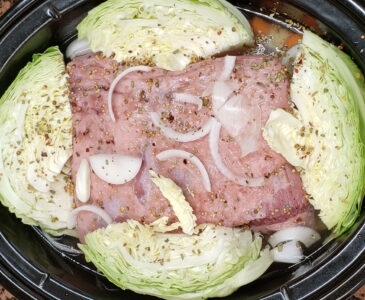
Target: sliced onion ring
181, 137
78, 48
229, 62
213, 145
289, 57
290, 252
115, 168
164, 155
241, 118
221, 92
83, 181
115, 82
188, 98
72, 218
306, 235
60, 246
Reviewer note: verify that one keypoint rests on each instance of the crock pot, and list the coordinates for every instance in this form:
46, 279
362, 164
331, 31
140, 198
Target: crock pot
31, 268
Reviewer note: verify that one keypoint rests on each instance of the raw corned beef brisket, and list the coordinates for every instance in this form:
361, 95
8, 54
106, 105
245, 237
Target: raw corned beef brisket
264, 191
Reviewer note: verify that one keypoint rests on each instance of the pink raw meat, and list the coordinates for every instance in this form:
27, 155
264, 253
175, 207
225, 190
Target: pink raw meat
139, 93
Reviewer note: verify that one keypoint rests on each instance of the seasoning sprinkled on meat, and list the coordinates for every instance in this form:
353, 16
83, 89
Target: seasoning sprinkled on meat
260, 79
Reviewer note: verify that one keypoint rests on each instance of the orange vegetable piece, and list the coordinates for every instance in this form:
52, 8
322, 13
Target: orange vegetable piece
259, 26
310, 22
293, 40
269, 4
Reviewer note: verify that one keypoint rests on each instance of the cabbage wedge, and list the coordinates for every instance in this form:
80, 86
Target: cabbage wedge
207, 261
324, 136
36, 143
213, 262
169, 33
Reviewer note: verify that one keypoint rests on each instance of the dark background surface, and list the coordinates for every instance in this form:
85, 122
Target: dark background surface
4, 294
4, 6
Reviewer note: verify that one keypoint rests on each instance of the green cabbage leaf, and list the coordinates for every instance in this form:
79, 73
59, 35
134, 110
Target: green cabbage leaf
213, 262
36, 143
324, 135
169, 33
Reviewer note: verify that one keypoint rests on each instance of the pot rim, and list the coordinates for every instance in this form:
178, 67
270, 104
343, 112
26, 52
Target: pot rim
336, 276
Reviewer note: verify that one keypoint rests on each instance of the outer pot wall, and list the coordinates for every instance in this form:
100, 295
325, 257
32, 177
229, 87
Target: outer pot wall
31, 269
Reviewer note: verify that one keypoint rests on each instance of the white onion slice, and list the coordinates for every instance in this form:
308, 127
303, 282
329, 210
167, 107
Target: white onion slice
178, 136
188, 98
115, 168
213, 145
78, 48
289, 57
229, 62
221, 92
60, 246
164, 155
241, 117
290, 253
72, 218
233, 115
306, 235
115, 82
83, 181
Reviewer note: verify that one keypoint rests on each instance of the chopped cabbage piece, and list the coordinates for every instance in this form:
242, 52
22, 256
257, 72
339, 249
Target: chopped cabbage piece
174, 194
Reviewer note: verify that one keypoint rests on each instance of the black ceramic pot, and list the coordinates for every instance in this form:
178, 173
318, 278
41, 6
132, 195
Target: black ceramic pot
31, 268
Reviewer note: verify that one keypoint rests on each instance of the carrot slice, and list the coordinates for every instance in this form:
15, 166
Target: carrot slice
259, 26
310, 22
270, 4
293, 40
